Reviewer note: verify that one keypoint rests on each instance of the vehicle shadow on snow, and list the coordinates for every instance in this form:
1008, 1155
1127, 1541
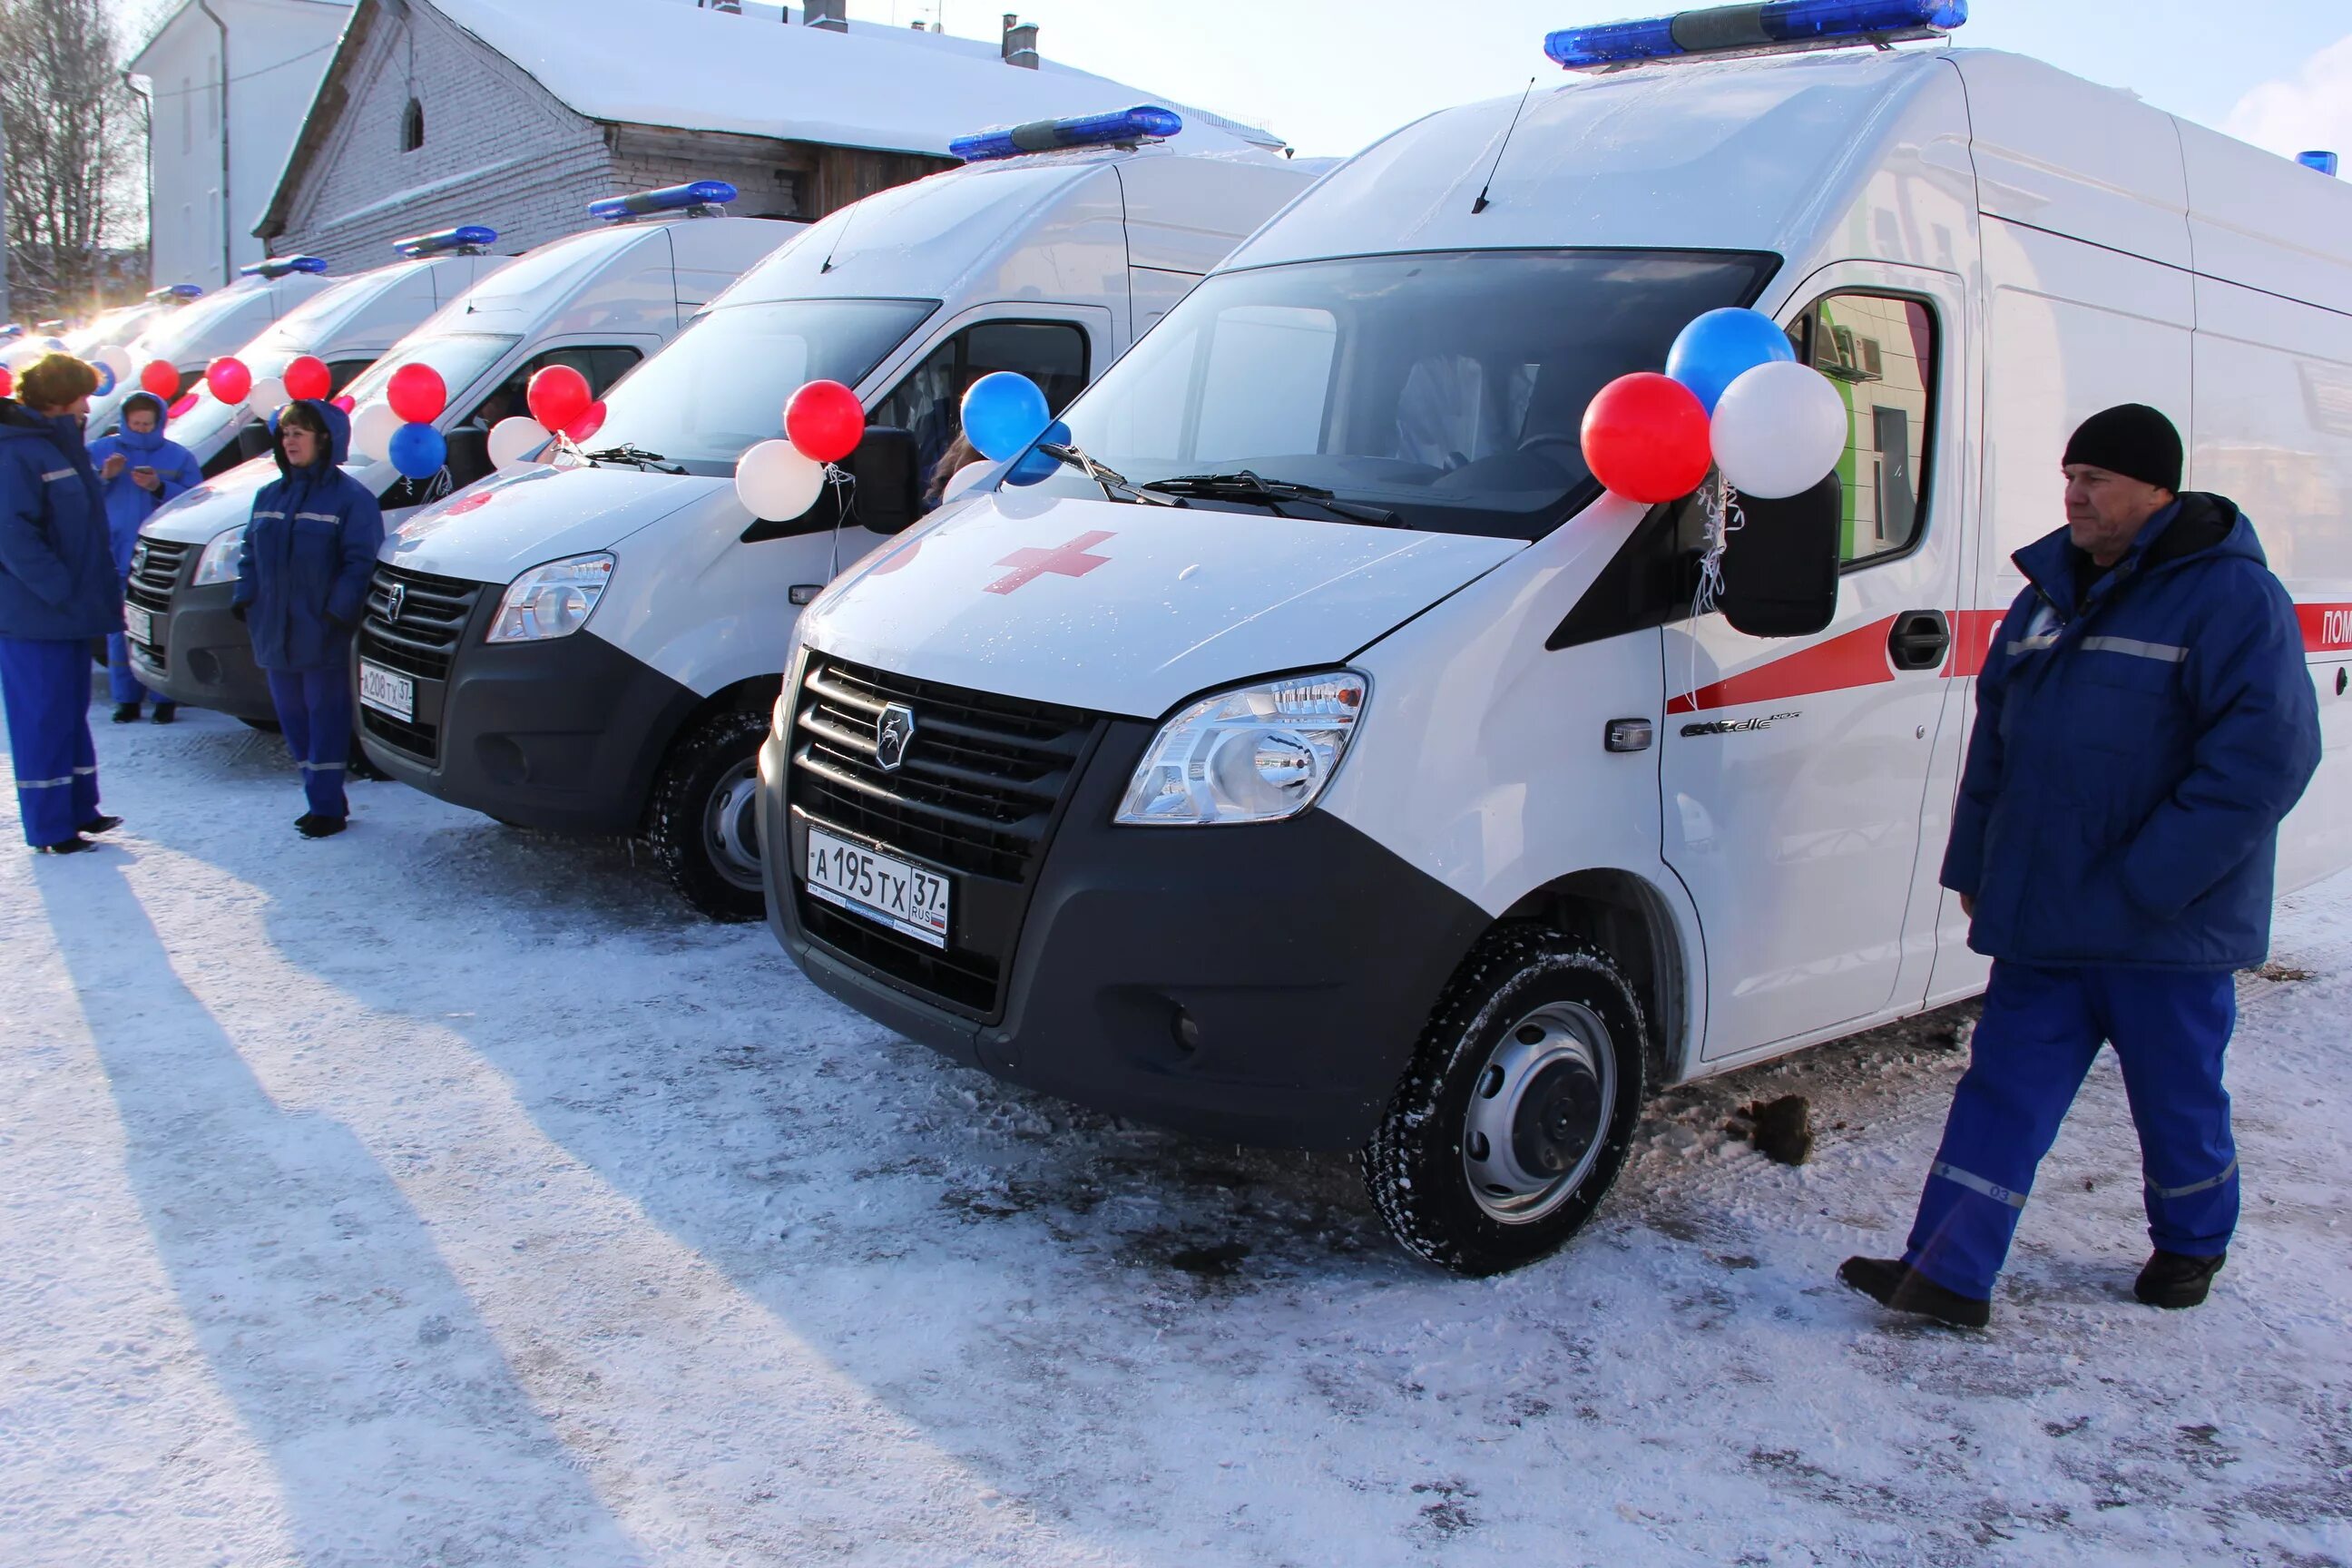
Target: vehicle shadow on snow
311, 1286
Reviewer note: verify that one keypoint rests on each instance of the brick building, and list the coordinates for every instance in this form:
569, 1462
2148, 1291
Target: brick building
518, 114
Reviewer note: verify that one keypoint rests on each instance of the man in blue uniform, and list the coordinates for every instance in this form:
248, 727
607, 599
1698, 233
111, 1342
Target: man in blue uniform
138, 469
2144, 721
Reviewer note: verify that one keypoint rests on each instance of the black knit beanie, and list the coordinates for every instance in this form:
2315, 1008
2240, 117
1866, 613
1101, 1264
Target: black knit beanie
2131, 439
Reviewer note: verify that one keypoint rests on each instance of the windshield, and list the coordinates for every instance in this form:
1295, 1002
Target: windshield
290, 336
1447, 388
721, 385
460, 357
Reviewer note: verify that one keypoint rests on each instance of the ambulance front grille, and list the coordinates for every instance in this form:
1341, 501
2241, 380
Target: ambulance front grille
978, 791
155, 571
414, 623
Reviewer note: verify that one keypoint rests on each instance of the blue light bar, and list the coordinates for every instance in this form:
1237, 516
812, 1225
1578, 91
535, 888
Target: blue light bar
1745, 29
1120, 127
12, 330
2323, 161
466, 239
279, 266
695, 198
178, 291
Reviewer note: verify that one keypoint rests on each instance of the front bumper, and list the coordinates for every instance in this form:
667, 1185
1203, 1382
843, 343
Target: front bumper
203, 657
563, 735
1260, 984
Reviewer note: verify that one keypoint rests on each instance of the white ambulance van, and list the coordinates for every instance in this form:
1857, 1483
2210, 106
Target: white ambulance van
192, 335
1390, 794
599, 300
594, 648
348, 327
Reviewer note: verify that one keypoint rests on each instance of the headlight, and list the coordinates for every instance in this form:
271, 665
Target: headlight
1258, 754
552, 601
218, 562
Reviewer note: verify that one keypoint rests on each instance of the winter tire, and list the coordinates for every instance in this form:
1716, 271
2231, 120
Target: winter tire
1518, 1107
704, 819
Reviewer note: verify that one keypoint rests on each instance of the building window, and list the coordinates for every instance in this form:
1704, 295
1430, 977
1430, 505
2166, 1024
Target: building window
187, 116
412, 127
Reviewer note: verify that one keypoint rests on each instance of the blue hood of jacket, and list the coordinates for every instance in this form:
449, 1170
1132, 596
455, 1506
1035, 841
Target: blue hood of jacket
176, 472
58, 575
2135, 752
309, 554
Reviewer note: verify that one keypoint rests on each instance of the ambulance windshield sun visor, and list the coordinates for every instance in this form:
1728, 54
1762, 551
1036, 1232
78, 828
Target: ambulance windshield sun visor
1446, 387
1749, 29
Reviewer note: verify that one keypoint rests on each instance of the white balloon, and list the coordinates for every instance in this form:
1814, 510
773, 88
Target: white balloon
371, 431
1780, 429
267, 396
515, 442
960, 483
116, 358
776, 483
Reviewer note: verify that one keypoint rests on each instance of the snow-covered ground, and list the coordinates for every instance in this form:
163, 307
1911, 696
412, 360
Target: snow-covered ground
445, 1195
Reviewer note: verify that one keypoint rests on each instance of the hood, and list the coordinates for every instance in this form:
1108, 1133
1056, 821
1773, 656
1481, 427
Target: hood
492, 530
18, 423
1132, 609
2197, 524
339, 436
126, 437
221, 502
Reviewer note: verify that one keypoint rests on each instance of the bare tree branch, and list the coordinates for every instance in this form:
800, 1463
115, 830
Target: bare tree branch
73, 138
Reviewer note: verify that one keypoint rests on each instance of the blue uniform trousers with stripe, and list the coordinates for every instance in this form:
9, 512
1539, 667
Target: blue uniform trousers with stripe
314, 708
2041, 1031
45, 685
120, 679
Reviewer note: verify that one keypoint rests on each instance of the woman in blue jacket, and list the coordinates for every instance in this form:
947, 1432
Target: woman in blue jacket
138, 470
59, 589
301, 587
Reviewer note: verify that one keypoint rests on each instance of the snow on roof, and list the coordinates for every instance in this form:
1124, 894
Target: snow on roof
663, 62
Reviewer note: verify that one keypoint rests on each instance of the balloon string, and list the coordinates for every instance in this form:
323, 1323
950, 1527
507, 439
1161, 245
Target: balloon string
843, 491
1719, 504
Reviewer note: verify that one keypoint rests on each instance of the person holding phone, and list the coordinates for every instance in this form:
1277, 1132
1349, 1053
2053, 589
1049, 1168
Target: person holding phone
138, 470
301, 588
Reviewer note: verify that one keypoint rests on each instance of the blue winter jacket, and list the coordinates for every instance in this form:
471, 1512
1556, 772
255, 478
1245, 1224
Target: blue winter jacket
57, 577
2135, 752
128, 506
308, 552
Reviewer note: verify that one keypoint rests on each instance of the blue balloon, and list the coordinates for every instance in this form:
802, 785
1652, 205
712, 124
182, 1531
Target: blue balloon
1003, 413
105, 379
1721, 346
1035, 468
417, 450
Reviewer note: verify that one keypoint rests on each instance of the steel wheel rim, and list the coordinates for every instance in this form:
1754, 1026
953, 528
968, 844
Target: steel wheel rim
1539, 1113
731, 826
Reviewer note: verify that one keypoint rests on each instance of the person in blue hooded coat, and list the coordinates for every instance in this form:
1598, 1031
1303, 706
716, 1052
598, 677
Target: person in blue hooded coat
2145, 721
59, 589
139, 469
303, 583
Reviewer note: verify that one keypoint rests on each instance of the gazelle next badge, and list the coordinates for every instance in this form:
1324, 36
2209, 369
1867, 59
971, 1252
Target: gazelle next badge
893, 732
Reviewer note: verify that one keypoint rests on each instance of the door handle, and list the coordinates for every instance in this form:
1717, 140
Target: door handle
1920, 639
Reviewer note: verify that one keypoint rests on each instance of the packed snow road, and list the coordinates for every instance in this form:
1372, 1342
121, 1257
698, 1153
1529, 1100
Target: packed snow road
442, 1194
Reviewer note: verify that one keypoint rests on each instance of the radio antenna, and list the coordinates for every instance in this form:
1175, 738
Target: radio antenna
1480, 205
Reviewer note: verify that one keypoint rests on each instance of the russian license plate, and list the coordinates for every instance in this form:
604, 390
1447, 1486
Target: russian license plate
139, 625
386, 692
887, 892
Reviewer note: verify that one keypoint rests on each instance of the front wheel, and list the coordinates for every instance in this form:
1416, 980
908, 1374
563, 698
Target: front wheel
704, 823
1518, 1107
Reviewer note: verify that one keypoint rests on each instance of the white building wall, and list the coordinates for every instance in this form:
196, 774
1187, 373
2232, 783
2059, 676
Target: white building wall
277, 52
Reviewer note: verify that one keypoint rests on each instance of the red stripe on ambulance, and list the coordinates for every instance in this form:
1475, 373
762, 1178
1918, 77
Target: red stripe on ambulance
2327, 628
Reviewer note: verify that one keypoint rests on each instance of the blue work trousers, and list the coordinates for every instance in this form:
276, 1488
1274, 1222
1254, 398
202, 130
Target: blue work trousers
120, 681
45, 685
2041, 1031
314, 709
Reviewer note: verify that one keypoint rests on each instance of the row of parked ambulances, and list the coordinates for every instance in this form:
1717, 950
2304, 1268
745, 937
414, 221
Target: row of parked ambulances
1297, 745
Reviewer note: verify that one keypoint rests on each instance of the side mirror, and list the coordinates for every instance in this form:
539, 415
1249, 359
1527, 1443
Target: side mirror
1781, 568
254, 440
886, 498
470, 455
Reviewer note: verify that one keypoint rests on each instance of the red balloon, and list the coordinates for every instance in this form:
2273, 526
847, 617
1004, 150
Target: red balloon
557, 396
161, 379
825, 421
307, 377
416, 394
1645, 437
181, 407
7, 382
346, 402
229, 378
591, 420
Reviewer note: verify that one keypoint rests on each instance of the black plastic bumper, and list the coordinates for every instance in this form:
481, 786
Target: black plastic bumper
1259, 984
207, 657
563, 735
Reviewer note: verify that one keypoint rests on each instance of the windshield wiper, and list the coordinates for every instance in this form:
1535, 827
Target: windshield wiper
652, 461
1244, 486
1114, 483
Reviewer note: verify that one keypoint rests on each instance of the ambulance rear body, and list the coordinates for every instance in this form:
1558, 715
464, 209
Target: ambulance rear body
645, 715
599, 300
1550, 753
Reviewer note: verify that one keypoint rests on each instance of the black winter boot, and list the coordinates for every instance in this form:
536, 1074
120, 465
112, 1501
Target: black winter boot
126, 713
73, 846
2175, 1280
166, 711
100, 825
313, 826
1886, 1281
